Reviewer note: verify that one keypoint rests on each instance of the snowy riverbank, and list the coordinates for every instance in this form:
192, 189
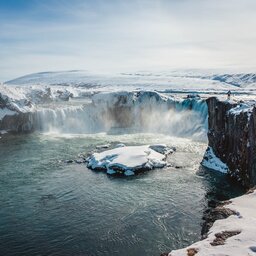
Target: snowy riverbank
234, 236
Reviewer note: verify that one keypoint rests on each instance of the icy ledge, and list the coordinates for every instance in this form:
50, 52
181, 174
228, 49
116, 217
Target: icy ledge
129, 160
212, 162
234, 236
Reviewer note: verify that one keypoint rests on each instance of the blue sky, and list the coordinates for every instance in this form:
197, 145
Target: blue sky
120, 35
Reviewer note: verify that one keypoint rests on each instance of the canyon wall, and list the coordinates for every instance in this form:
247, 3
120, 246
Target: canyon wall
232, 136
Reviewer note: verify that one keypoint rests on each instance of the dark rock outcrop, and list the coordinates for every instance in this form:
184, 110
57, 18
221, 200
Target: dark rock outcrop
212, 214
232, 136
223, 236
19, 123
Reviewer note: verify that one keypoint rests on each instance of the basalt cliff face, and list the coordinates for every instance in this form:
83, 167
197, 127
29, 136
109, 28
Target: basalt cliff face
232, 136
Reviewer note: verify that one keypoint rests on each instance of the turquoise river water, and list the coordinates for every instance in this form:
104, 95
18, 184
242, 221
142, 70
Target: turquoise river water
52, 208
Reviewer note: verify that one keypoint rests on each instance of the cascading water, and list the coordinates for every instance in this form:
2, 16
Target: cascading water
140, 112
74, 119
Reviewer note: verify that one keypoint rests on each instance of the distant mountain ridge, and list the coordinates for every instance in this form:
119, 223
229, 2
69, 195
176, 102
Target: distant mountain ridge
239, 80
83, 77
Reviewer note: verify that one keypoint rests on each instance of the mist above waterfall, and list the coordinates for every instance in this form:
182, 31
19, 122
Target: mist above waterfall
123, 112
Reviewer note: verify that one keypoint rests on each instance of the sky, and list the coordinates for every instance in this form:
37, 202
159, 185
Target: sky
125, 35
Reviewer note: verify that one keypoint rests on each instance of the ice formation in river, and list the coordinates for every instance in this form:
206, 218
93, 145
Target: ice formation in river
129, 159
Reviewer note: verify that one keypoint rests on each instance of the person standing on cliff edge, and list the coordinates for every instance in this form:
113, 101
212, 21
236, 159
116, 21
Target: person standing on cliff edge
229, 94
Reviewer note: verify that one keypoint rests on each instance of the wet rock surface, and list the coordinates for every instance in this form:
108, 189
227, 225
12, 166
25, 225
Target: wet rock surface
20, 122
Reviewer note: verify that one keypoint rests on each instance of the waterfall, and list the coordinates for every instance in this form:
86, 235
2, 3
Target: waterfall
140, 112
73, 119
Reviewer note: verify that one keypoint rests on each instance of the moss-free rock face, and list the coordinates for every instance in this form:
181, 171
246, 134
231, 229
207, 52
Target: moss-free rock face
232, 136
20, 122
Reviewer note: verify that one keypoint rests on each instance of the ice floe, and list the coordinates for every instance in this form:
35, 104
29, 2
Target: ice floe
128, 160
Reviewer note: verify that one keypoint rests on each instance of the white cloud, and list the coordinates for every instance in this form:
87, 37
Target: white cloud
124, 35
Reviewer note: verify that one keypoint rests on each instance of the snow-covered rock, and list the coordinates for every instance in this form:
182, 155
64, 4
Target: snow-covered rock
162, 149
19, 103
12, 101
240, 80
129, 159
212, 162
242, 107
234, 236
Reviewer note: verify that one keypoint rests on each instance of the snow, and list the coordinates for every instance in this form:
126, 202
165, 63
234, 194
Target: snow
23, 99
81, 83
107, 102
162, 149
141, 98
54, 86
240, 80
212, 162
14, 99
241, 244
128, 159
242, 107
172, 79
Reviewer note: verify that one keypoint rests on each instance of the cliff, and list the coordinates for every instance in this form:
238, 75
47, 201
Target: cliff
19, 122
232, 137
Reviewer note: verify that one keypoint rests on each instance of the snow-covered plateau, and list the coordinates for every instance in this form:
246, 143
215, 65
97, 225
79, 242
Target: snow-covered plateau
61, 97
